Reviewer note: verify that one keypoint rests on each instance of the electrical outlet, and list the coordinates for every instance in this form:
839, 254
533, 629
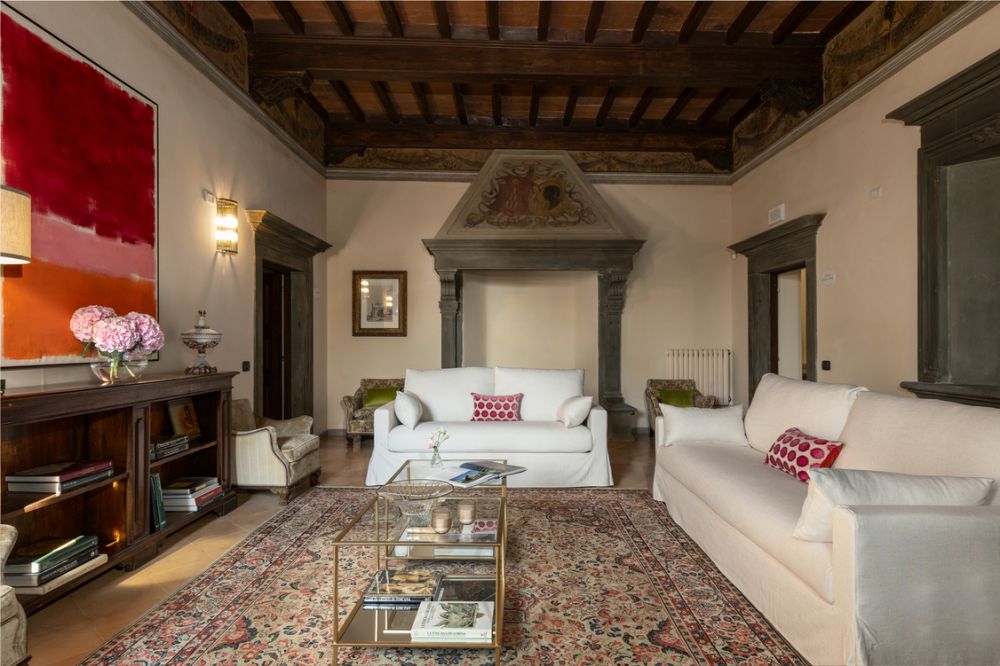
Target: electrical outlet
246, 366
776, 214
825, 365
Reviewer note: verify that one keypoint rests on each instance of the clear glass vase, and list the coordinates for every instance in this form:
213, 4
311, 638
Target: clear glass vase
436, 461
111, 372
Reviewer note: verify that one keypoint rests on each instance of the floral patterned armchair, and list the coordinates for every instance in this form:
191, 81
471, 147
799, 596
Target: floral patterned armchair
360, 420
653, 388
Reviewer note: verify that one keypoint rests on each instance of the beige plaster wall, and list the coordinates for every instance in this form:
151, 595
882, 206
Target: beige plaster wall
207, 142
867, 319
679, 294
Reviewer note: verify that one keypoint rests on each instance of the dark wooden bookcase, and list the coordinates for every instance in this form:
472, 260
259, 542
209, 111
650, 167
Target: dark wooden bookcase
117, 422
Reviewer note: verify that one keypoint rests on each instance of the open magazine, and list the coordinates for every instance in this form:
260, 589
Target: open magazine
476, 472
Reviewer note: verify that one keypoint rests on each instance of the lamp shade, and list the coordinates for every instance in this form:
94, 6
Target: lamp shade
15, 226
226, 226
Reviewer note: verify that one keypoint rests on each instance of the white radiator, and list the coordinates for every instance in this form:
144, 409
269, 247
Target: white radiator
711, 370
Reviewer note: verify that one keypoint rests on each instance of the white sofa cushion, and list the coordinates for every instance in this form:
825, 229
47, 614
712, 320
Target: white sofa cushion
705, 426
574, 411
829, 488
544, 390
446, 394
910, 436
760, 502
495, 437
408, 409
815, 408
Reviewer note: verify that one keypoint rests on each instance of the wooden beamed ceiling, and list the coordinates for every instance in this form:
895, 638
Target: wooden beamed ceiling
602, 76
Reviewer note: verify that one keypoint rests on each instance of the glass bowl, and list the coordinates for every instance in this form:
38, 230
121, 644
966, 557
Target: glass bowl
127, 370
415, 497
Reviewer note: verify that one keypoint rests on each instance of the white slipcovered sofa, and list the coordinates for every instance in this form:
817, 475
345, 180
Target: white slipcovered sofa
898, 584
554, 455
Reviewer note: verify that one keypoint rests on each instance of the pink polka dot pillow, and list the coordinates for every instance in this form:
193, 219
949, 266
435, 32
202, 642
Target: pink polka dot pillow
496, 407
795, 453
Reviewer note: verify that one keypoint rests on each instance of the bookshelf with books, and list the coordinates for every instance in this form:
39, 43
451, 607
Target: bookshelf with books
77, 463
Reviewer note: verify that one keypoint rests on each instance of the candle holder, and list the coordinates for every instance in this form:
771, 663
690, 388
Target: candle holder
467, 512
441, 520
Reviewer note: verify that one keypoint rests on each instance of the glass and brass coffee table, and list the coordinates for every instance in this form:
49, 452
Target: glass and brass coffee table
380, 536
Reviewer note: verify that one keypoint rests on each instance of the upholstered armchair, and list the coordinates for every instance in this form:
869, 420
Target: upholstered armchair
13, 623
654, 386
273, 454
359, 419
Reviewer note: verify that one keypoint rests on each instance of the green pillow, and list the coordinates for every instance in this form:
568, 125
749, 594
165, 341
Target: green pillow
376, 397
677, 397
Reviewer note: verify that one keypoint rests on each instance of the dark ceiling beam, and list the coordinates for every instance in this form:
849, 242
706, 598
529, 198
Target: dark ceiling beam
693, 20
238, 14
493, 19
841, 20
442, 18
422, 104
459, 98
593, 21
474, 61
640, 108
306, 96
347, 98
800, 12
544, 14
391, 15
290, 17
382, 93
745, 111
497, 104
609, 101
743, 21
536, 94
652, 138
712, 109
574, 94
339, 13
642, 21
675, 109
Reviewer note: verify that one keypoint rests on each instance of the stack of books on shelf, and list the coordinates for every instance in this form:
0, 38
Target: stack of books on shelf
60, 477
188, 494
401, 589
42, 566
168, 447
475, 472
453, 622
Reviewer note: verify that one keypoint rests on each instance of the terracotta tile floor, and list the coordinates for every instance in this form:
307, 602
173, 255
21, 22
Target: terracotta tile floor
68, 630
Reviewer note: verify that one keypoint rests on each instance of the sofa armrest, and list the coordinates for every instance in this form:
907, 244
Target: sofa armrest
8, 537
660, 431
919, 584
257, 459
297, 425
385, 421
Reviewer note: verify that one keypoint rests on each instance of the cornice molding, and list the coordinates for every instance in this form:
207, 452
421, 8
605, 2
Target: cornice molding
333, 173
168, 33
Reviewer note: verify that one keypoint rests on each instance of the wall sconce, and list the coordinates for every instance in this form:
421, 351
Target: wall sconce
15, 226
227, 237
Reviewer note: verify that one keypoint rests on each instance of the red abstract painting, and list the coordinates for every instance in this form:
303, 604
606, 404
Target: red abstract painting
83, 145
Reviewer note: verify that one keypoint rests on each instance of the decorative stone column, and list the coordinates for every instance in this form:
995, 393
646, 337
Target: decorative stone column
610, 305
451, 318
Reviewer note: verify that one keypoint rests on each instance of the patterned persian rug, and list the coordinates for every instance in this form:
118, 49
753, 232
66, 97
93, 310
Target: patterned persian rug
593, 577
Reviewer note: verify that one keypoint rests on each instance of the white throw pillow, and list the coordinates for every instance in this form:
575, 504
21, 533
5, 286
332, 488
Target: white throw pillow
574, 411
408, 409
829, 488
703, 426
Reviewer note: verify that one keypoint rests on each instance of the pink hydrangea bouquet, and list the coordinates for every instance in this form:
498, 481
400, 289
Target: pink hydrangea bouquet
434, 441
130, 338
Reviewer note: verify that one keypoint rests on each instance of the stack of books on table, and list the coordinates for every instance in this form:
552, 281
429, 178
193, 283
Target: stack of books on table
60, 477
188, 494
475, 472
453, 622
168, 447
42, 566
401, 589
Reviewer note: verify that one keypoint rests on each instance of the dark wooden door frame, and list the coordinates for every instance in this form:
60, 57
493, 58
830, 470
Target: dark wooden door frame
283, 244
787, 247
277, 282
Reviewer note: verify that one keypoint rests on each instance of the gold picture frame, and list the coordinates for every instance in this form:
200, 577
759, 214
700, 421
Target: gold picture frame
379, 303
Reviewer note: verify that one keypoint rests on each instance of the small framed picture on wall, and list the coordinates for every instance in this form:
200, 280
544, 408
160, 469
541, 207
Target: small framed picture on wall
379, 303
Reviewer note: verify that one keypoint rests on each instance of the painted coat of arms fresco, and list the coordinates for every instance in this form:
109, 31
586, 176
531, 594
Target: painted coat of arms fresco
529, 194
